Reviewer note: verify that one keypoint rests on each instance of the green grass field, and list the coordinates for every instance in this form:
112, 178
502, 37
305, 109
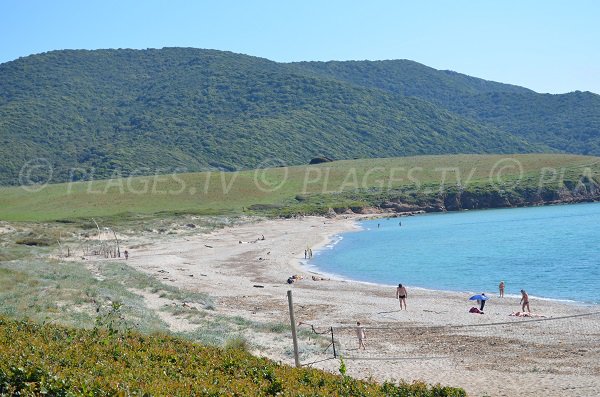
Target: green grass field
340, 183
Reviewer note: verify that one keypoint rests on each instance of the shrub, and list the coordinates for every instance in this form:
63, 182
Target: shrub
59, 361
237, 343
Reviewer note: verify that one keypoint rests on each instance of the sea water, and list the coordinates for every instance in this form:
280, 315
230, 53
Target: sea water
551, 252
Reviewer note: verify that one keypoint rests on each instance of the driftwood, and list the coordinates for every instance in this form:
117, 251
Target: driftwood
105, 244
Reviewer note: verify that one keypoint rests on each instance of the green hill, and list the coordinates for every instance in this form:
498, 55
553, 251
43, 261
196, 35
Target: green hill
566, 122
105, 113
118, 112
408, 78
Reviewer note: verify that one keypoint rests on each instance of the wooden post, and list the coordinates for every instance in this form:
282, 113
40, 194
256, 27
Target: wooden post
293, 323
118, 253
333, 343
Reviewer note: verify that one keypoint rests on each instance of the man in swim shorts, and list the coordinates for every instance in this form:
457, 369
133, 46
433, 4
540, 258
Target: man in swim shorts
401, 295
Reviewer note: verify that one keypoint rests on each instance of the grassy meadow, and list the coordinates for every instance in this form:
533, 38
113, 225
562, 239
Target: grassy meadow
302, 189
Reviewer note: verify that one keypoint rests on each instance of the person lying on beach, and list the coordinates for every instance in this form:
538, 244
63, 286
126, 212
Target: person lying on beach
292, 279
525, 314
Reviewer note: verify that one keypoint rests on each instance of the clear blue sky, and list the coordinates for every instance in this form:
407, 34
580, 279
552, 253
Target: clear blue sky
546, 45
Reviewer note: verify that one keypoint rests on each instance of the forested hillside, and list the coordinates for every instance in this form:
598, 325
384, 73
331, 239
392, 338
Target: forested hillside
568, 122
102, 113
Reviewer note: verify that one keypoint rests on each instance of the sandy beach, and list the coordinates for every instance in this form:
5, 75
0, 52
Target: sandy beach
436, 340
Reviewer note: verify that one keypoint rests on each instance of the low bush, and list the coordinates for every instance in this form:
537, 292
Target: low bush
52, 360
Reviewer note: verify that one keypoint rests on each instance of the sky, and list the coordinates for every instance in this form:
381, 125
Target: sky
549, 46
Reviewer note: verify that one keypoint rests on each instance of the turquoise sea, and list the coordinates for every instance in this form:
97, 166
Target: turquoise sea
551, 252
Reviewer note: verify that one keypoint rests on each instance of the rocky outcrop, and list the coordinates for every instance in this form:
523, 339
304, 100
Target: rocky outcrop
457, 200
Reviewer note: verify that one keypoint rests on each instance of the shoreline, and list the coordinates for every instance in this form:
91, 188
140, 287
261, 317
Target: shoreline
440, 341
492, 293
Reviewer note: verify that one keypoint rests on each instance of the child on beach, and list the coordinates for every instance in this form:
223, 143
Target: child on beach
360, 334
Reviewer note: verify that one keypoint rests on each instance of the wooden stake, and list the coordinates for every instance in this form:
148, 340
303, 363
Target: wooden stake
293, 323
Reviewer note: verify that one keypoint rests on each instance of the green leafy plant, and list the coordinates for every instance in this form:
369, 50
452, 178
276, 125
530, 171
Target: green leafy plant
48, 359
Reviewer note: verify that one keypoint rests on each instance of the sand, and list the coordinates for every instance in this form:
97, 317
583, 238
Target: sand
436, 340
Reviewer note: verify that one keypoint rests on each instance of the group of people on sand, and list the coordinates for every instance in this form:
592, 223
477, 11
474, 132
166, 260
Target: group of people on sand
524, 297
401, 295
481, 302
308, 253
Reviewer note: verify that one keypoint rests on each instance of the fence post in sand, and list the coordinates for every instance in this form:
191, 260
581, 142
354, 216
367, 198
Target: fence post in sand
293, 323
333, 343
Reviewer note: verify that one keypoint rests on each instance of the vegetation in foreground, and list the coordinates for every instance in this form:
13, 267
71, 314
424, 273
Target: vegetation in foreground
52, 360
430, 183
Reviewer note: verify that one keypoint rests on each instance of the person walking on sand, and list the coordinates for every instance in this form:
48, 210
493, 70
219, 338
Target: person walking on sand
401, 295
360, 334
501, 288
525, 301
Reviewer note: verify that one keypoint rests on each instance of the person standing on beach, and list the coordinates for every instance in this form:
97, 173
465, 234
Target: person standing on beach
401, 295
360, 334
481, 302
501, 288
525, 301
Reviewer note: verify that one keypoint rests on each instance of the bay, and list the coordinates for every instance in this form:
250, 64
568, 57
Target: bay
551, 252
